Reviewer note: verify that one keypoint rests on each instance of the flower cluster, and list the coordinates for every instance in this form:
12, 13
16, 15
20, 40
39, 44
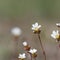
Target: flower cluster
16, 32
29, 50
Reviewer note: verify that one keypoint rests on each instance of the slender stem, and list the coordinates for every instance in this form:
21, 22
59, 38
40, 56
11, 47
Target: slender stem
42, 47
34, 58
30, 55
57, 52
16, 47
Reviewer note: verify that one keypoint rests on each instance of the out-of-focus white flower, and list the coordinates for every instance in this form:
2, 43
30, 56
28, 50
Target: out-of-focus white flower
25, 44
16, 31
33, 51
22, 56
36, 27
58, 24
55, 34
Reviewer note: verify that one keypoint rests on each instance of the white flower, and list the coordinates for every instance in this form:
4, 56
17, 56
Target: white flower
58, 24
22, 56
33, 51
25, 44
16, 31
55, 34
36, 27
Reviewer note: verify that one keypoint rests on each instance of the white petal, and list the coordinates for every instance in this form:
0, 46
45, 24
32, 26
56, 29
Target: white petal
33, 28
34, 50
31, 51
53, 36
36, 24
58, 24
25, 43
19, 56
39, 26
57, 32
33, 25
54, 32
22, 55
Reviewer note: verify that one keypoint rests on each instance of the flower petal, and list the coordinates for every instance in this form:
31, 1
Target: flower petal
39, 26
53, 36
36, 24
54, 32
33, 25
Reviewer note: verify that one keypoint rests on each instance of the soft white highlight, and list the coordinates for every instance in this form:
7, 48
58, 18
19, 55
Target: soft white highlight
16, 31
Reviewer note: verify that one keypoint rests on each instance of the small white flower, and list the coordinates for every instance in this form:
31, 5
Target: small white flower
58, 24
25, 44
36, 27
55, 34
22, 56
33, 51
16, 31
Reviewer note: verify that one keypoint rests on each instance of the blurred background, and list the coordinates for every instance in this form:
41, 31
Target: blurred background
24, 13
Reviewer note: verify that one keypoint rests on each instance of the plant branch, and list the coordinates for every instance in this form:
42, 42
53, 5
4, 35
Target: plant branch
42, 47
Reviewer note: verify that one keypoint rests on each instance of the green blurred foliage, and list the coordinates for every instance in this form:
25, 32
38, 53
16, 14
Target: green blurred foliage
20, 7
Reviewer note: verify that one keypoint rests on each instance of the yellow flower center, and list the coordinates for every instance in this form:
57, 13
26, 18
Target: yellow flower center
36, 29
21, 59
57, 36
34, 55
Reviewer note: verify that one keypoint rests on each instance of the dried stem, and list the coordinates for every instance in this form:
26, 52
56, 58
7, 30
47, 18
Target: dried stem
16, 47
42, 47
34, 58
16, 44
31, 56
57, 52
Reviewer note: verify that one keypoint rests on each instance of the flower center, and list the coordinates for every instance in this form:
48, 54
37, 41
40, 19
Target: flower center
34, 55
57, 36
22, 59
36, 29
